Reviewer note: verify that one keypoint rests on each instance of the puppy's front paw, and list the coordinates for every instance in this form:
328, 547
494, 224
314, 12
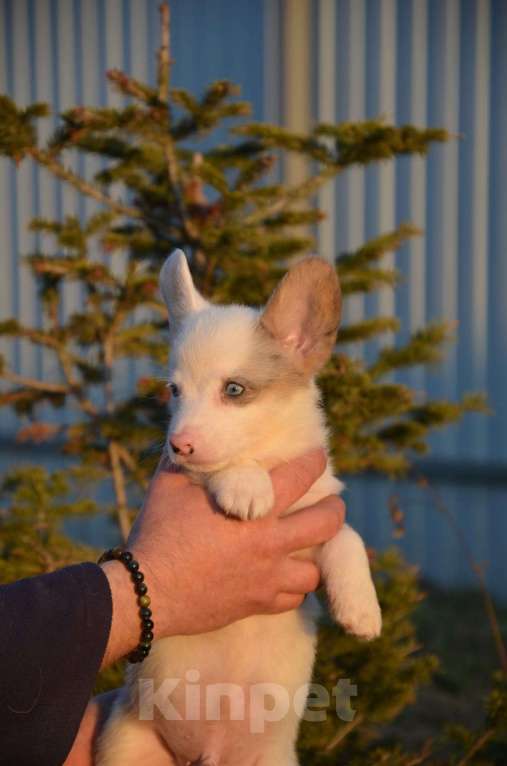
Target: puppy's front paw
243, 491
359, 613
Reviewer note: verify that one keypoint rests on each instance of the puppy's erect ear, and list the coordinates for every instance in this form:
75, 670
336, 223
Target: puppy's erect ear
303, 313
178, 290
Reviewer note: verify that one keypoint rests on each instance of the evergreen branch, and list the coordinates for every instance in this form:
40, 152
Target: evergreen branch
422, 756
479, 743
132, 87
368, 280
372, 140
173, 172
130, 461
291, 195
120, 491
424, 347
373, 250
17, 129
344, 732
67, 360
33, 383
12, 328
367, 329
273, 137
164, 56
49, 161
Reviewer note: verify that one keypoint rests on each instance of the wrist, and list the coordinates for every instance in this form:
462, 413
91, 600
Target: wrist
124, 632
162, 591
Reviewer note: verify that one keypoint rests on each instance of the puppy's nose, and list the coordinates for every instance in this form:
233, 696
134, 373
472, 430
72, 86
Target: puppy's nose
181, 444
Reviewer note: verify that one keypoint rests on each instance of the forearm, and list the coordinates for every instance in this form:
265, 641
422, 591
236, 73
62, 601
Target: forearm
54, 633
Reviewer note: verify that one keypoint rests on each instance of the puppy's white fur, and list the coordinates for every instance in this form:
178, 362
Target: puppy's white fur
232, 444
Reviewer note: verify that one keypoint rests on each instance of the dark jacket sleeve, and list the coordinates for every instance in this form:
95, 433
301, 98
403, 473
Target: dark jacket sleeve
53, 634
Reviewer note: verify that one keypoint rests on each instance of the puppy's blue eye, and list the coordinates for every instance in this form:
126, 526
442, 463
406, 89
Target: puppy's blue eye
175, 391
233, 389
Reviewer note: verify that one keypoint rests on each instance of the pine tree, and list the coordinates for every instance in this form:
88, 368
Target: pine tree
156, 191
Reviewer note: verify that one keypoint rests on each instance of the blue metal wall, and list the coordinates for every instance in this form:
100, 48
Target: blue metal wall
435, 63
432, 62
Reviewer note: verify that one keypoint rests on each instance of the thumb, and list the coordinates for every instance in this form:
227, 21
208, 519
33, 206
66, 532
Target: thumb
291, 480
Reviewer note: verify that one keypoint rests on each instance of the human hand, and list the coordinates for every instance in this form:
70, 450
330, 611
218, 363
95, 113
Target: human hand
205, 570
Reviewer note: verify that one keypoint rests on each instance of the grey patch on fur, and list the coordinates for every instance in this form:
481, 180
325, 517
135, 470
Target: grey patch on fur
267, 369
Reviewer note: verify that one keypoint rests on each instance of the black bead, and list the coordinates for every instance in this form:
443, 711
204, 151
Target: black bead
146, 636
115, 553
145, 613
133, 565
144, 650
126, 556
147, 624
141, 589
137, 576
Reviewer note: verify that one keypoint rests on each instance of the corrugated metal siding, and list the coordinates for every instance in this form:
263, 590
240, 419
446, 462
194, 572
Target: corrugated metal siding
435, 63
58, 51
431, 62
430, 541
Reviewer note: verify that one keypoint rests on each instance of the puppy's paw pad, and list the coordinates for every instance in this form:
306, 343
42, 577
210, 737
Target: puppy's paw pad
243, 492
364, 625
361, 620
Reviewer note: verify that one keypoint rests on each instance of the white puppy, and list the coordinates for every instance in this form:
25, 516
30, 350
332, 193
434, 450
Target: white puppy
243, 400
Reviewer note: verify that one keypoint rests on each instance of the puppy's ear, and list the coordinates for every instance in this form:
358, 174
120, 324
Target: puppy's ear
303, 313
178, 290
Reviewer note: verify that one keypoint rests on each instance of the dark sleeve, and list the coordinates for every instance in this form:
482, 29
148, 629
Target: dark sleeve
53, 634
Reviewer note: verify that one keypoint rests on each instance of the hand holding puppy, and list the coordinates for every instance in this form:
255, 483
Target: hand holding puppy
205, 570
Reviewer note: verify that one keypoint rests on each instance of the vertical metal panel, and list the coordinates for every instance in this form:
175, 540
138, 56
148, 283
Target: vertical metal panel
271, 74
497, 266
379, 178
350, 106
473, 217
7, 212
411, 172
431, 63
326, 112
296, 85
442, 193
22, 79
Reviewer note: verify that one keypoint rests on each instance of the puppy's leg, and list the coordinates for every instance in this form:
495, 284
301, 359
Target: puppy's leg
127, 741
243, 490
346, 573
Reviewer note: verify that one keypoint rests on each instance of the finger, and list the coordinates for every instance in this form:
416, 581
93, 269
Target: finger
286, 602
293, 479
313, 525
300, 577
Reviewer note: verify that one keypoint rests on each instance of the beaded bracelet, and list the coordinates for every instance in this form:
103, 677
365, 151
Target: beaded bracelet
125, 557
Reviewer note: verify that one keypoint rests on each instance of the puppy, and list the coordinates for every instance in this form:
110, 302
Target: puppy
243, 400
